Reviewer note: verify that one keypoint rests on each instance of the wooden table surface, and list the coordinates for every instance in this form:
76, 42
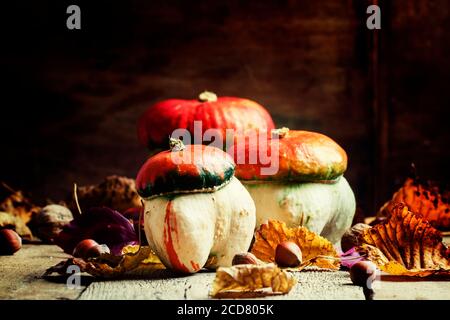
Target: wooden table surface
22, 279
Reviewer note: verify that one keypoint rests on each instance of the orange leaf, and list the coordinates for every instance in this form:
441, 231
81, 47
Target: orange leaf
314, 248
250, 281
424, 199
406, 244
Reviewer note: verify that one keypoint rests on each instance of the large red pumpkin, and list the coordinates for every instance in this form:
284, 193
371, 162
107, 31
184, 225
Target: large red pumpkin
160, 120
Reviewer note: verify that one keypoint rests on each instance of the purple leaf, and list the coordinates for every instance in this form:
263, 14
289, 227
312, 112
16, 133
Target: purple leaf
104, 225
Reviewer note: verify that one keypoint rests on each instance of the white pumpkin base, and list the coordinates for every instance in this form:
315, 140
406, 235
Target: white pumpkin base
327, 209
185, 230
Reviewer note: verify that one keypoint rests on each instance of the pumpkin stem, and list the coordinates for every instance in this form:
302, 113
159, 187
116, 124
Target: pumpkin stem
279, 133
207, 96
176, 144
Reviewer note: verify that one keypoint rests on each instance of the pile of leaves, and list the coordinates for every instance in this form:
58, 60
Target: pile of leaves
425, 198
406, 244
16, 210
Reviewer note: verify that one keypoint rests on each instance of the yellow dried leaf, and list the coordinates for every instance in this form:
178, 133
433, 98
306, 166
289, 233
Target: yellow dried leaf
406, 244
250, 281
423, 199
15, 203
316, 250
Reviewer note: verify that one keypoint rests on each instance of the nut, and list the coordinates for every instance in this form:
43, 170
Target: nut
363, 273
244, 258
50, 221
288, 254
89, 248
350, 238
10, 242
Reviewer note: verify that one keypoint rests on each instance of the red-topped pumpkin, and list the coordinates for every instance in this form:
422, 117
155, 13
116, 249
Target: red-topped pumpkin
196, 211
184, 169
160, 120
305, 185
303, 156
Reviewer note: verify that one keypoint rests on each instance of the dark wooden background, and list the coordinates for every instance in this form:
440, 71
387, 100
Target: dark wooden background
70, 99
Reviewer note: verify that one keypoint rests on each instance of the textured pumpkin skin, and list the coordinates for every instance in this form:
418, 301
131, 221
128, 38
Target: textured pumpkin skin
160, 120
197, 168
325, 208
303, 156
185, 230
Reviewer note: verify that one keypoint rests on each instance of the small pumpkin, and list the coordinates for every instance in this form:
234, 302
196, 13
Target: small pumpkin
220, 113
196, 211
306, 189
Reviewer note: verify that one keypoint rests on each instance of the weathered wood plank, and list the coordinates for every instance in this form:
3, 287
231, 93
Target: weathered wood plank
21, 275
320, 285
22, 279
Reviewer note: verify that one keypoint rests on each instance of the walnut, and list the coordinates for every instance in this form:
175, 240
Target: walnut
50, 221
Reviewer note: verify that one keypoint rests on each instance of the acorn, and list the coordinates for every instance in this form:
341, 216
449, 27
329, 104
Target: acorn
288, 254
245, 258
10, 242
363, 273
89, 248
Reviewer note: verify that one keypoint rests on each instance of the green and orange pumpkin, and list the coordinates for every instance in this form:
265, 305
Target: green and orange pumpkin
197, 213
307, 186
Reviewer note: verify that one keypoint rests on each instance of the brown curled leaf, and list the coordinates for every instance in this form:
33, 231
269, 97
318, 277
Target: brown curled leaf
315, 249
115, 192
251, 281
133, 261
406, 244
424, 199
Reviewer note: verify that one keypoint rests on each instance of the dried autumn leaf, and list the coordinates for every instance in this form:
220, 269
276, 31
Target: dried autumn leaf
15, 203
116, 192
422, 198
406, 244
316, 250
250, 281
9, 221
133, 261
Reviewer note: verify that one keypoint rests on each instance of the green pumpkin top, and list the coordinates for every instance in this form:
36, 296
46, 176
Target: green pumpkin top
184, 169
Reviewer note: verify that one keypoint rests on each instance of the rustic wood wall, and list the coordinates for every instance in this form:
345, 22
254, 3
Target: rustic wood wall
71, 98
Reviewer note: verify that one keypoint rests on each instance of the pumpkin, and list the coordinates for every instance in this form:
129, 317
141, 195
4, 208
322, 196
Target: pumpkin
196, 213
216, 113
306, 186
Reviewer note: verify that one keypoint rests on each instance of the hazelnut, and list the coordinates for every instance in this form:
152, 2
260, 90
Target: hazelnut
288, 254
244, 258
10, 242
89, 248
350, 238
363, 273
